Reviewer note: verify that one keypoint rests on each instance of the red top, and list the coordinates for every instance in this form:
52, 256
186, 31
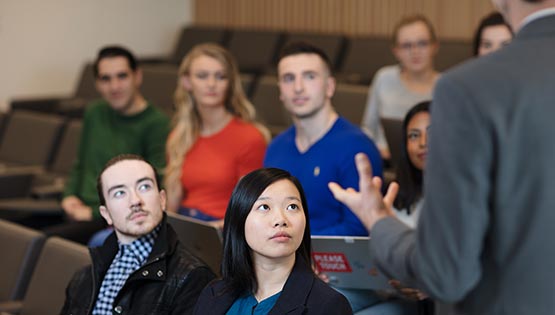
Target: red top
215, 163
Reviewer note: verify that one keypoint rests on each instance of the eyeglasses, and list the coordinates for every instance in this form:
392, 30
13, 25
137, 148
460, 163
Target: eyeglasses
421, 44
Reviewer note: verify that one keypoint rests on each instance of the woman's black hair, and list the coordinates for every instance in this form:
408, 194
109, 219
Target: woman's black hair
408, 176
237, 264
493, 19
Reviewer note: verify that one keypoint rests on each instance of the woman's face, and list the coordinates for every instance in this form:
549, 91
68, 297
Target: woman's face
207, 81
494, 37
417, 139
275, 226
414, 48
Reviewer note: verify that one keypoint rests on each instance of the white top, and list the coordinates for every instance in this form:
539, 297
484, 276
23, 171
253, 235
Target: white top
411, 220
388, 98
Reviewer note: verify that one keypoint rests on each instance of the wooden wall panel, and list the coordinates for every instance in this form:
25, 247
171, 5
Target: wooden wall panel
452, 18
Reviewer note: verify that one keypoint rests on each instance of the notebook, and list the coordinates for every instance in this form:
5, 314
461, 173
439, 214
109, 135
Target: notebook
201, 238
347, 262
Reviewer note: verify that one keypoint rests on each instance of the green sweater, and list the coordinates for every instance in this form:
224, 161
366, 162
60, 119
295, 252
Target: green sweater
106, 134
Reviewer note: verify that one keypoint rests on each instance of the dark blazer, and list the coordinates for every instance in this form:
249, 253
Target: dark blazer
169, 282
303, 293
484, 239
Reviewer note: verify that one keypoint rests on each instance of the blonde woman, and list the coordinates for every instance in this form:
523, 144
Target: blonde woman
215, 139
396, 88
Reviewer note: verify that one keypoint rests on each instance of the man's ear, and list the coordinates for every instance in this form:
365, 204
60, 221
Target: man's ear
330, 87
163, 199
106, 215
138, 76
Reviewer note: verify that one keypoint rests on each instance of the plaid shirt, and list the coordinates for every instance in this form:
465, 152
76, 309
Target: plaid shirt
129, 258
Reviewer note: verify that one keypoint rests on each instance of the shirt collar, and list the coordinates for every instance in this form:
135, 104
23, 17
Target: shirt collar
141, 247
537, 15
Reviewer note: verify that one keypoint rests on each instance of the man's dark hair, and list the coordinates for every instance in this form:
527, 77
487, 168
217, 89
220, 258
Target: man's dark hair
115, 160
237, 264
115, 51
295, 48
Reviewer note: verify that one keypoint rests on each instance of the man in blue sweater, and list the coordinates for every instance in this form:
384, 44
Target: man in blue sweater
320, 146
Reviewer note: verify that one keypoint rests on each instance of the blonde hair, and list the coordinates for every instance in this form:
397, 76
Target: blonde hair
411, 19
187, 121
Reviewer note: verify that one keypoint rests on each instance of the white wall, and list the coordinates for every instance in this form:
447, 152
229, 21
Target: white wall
43, 44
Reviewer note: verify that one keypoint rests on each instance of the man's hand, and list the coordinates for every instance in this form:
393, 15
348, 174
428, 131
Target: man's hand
75, 209
368, 204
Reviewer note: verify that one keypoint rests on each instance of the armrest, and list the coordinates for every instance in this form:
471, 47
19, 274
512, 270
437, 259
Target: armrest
15, 183
37, 104
10, 307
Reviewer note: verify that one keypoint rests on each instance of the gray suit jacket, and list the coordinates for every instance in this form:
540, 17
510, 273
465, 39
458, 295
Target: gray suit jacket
485, 238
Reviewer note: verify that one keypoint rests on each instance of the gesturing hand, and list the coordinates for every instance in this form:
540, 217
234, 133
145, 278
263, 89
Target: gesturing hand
367, 204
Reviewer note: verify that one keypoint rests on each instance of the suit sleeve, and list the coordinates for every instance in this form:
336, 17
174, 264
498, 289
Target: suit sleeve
442, 257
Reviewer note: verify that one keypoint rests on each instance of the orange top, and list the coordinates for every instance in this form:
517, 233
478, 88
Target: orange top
215, 163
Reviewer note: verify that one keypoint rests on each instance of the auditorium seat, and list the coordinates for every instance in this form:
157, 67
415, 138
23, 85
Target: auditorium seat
269, 109
20, 248
73, 106
349, 101
451, 53
194, 35
159, 83
254, 50
364, 57
58, 261
29, 139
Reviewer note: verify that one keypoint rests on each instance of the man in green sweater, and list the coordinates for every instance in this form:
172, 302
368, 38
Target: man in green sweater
121, 122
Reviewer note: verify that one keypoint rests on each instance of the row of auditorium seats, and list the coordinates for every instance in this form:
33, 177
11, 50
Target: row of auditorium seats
35, 270
355, 59
37, 151
159, 83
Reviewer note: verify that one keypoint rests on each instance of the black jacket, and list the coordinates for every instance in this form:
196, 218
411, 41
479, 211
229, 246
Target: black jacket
303, 293
169, 282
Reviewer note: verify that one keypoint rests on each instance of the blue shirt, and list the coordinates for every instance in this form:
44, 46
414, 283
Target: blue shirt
129, 258
332, 158
249, 305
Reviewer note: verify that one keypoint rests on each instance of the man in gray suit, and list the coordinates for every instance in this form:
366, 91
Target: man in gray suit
484, 239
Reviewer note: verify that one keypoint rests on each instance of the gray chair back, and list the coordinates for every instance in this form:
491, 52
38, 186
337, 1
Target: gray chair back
194, 35
30, 137
57, 263
364, 57
67, 150
254, 50
20, 248
269, 108
349, 101
159, 83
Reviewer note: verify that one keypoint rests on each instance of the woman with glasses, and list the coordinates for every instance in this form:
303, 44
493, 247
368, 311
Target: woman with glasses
396, 88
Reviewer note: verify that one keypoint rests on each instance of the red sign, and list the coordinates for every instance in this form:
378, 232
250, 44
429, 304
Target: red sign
331, 262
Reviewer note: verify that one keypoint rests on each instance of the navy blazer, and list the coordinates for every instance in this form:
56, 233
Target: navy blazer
303, 293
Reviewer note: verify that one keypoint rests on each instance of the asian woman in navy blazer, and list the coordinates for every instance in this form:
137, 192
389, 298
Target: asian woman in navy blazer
266, 267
